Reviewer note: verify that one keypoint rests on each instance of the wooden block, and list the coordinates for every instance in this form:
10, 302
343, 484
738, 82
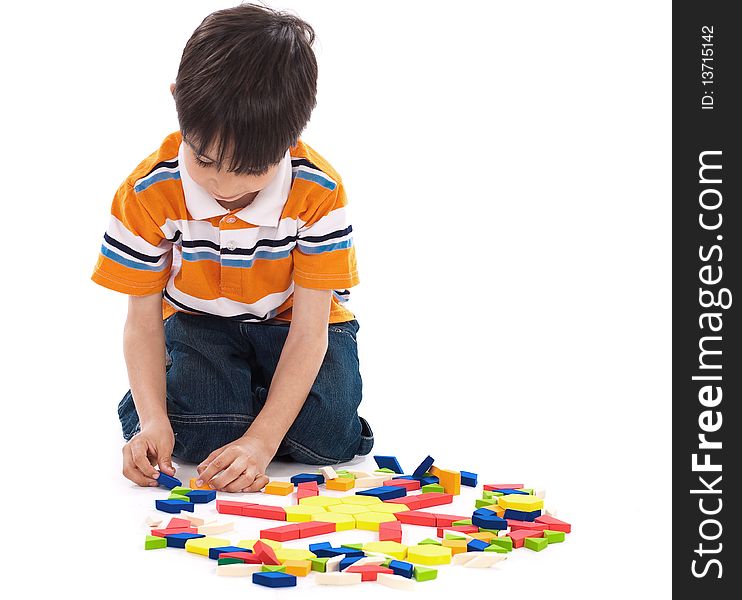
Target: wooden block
358, 474
416, 517
384, 492
388, 507
286, 554
536, 544
450, 480
337, 578
193, 486
202, 545
328, 473
242, 556
153, 542
395, 581
393, 549
521, 502
360, 500
433, 499
197, 521
410, 502
485, 536
216, 528
530, 525
279, 488
484, 560
322, 501
443, 520
164, 531
368, 572
274, 580
303, 512
300, 568
390, 531
369, 560
433, 487
371, 482
370, 521
502, 486
423, 467
263, 511
388, 462
554, 524
302, 493
520, 535
341, 484
554, 537
409, 484
456, 546
458, 529
265, 553
424, 573
429, 554
238, 569
333, 564
308, 485
281, 533
341, 521
153, 520
230, 507
312, 528
176, 522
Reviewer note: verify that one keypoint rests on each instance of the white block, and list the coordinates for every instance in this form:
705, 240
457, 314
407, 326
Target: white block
337, 578
237, 570
370, 482
198, 521
484, 560
328, 472
372, 560
395, 581
153, 520
464, 557
333, 563
551, 512
358, 474
540, 493
216, 528
462, 534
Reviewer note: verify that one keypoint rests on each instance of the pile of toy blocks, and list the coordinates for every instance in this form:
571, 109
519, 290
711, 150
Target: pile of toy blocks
507, 516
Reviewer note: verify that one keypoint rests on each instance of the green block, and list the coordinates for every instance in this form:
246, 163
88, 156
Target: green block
503, 542
386, 562
536, 544
346, 475
482, 502
429, 541
274, 568
554, 537
454, 536
495, 531
228, 561
432, 487
527, 490
384, 470
424, 573
354, 546
429, 474
487, 494
496, 548
319, 564
462, 522
497, 493
152, 542
178, 497
180, 490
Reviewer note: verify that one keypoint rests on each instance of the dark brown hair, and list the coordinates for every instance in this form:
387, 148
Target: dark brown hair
247, 81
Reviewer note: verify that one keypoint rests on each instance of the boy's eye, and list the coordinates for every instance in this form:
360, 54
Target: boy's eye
202, 163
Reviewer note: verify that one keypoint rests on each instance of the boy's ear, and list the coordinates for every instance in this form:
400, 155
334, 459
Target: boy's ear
172, 89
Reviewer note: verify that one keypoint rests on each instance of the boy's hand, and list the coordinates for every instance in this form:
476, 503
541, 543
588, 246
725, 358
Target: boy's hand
237, 467
153, 445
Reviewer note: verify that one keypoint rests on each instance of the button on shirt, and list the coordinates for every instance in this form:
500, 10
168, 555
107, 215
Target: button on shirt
168, 235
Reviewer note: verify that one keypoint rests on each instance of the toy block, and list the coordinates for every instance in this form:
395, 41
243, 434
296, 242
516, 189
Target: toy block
250, 544
501, 486
388, 507
476, 546
393, 549
429, 541
311, 528
368, 572
409, 484
322, 501
385, 470
483, 535
450, 480
348, 509
173, 506
390, 532
430, 554
179, 489
318, 563
265, 553
479, 560
483, 502
333, 564
178, 540
308, 485
416, 517
237, 570
341, 484
216, 551
528, 491
443, 520
535, 544
371, 521
540, 493
506, 492
468, 478
514, 525
424, 573
384, 492
395, 581
503, 542
520, 535
197, 521
326, 550
167, 481
202, 544
194, 486
243, 556
348, 561
403, 568
458, 529
371, 482
216, 528
300, 568
282, 533
302, 493
521, 502
360, 500
230, 507
554, 537
432, 487
456, 546
410, 502
328, 473
273, 568
296, 513
176, 522
153, 542
489, 521
428, 480
230, 561
375, 559
358, 474
274, 580
342, 521
423, 467
284, 554
153, 520
163, 532
304, 477
263, 511
519, 515
201, 496
388, 462
279, 488
178, 497
554, 524
462, 522
433, 499
496, 548
337, 578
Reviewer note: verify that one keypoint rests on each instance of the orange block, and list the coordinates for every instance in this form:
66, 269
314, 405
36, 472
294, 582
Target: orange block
193, 486
485, 536
279, 488
340, 484
300, 568
455, 545
450, 480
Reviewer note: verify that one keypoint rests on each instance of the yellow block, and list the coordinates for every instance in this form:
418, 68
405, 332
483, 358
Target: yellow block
250, 543
450, 480
429, 554
371, 520
319, 501
521, 502
303, 513
456, 546
285, 554
388, 507
279, 488
395, 549
341, 484
357, 500
202, 545
300, 568
349, 509
342, 521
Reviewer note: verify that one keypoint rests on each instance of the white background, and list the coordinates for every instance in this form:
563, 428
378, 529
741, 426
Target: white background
508, 171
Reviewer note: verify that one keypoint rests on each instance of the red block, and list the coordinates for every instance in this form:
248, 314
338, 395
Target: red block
442, 520
264, 511
306, 492
282, 533
165, 531
410, 502
230, 507
307, 485
416, 517
178, 523
245, 557
502, 486
554, 524
390, 532
408, 484
528, 525
433, 499
265, 553
461, 528
311, 528
519, 536
368, 572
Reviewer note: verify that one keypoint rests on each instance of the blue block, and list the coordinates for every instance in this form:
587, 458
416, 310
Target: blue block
488, 522
319, 545
476, 546
427, 479
485, 512
468, 478
215, 552
384, 492
329, 552
274, 579
178, 540
166, 481
306, 477
423, 467
347, 561
173, 506
520, 515
506, 492
402, 568
388, 462
201, 496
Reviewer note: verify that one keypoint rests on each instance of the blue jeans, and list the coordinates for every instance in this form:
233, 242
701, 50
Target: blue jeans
218, 375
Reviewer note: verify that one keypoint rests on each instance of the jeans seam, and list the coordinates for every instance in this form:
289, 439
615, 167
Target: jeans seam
297, 446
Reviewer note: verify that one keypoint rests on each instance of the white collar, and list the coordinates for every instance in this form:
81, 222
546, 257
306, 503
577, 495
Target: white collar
265, 210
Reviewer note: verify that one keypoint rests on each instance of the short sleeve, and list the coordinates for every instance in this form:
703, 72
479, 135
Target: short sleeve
135, 257
324, 256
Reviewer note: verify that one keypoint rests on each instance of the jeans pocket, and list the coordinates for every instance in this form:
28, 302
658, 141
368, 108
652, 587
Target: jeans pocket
349, 328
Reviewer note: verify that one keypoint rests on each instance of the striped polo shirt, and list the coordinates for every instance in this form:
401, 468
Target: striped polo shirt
168, 235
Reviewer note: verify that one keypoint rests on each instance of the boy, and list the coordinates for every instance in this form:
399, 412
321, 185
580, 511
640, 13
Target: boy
233, 245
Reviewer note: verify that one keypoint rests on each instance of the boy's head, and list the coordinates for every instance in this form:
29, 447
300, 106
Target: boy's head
245, 90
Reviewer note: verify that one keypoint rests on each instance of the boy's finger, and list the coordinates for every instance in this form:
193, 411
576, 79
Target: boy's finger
222, 461
132, 472
166, 466
141, 462
258, 484
230, 474
243, 481
200, 468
